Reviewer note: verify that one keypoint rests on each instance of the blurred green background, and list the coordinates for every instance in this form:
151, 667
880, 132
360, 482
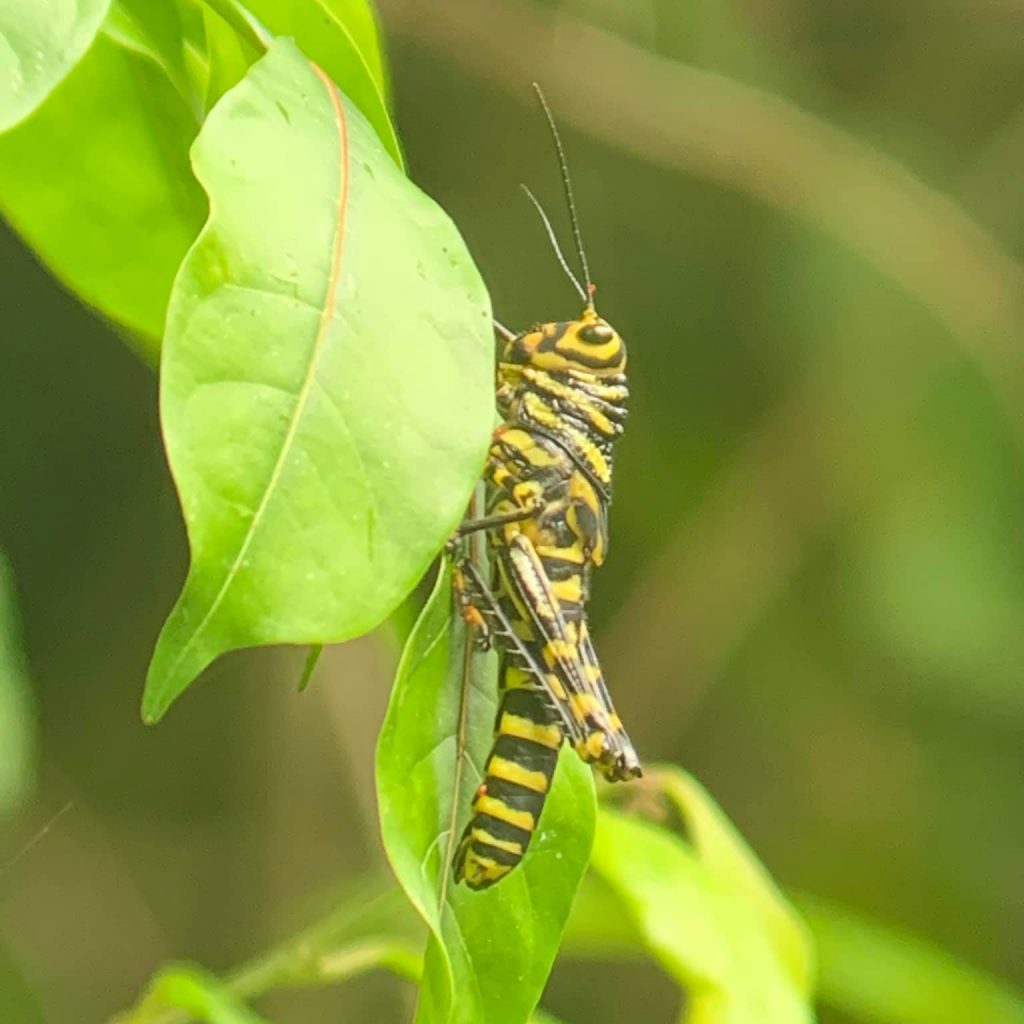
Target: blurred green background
807, 219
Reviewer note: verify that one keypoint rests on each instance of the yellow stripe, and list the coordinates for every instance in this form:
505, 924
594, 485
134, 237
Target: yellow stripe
613, 393
527, 491
508, 845
580, 403
502, 768
517, 678
540, 411
524, 729
496, 809
598, 353
592, 747
596, 418
482, 869
587, 704
554, 684
573, 553
592, 454
581, 489
557, 650
517, 438
568, 590
539, 457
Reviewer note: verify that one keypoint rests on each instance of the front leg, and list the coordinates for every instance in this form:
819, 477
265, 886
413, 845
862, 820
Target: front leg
516, 515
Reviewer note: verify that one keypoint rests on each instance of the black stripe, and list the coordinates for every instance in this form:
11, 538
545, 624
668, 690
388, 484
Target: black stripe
589, 524
553, 333
459, 861
580, 399
519, 798
507, 858
585, 359
532, 756
611, 388
582, 417
501, 829
558, 569
508, 607
530, 704
572, 611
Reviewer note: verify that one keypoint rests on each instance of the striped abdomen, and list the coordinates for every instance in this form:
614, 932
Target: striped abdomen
562, 393
517, 776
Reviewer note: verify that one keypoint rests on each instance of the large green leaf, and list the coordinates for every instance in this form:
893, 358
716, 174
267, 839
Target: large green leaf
704, 908
490, 952
724, 852
340, 36
97, 182
40, 42
326, 388
17, 724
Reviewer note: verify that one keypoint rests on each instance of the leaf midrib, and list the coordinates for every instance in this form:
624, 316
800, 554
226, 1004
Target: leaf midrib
326, 315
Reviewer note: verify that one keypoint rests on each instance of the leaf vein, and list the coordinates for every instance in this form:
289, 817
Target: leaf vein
326, 314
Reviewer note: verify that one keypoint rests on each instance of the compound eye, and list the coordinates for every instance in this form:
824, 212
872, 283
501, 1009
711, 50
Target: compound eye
596, 334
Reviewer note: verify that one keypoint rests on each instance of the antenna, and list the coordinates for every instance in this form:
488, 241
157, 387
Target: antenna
554, 244
569, 198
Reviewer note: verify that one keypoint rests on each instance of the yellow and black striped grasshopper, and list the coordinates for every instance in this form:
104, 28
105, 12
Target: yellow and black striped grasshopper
561, 392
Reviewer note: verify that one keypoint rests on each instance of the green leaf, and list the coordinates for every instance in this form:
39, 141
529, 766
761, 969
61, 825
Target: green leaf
360, 24
19, 999
154, 31
723, 851
204, 997
705, 911
97, 181
341, 36
543, 1017
40, 42
17, 722
229, 56
326, 385
490, 952
880, 975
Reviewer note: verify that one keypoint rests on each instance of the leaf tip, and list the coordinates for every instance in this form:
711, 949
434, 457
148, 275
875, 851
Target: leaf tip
152, 709
312, 658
